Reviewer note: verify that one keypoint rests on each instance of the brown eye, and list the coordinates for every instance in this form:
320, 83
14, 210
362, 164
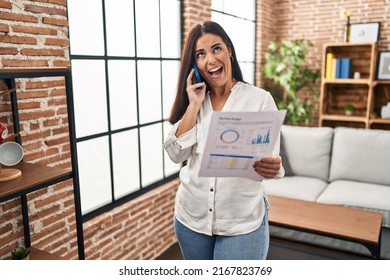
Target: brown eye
200, 55
217, 49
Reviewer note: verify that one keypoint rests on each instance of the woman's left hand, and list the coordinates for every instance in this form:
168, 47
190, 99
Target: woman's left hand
268, 167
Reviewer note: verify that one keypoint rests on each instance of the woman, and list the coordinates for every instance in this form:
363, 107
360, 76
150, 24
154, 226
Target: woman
216, 218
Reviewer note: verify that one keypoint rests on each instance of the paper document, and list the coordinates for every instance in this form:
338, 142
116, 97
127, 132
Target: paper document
236, 140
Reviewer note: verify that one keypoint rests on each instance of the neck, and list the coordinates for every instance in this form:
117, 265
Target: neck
223, 90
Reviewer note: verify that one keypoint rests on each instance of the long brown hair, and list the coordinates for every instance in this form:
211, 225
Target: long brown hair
187, 57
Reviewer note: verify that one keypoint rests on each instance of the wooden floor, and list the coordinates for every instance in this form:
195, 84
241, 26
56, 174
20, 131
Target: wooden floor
283, 250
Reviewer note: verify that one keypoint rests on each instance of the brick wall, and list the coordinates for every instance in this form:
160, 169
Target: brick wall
34, 34
265, 33
194, 12
139, 229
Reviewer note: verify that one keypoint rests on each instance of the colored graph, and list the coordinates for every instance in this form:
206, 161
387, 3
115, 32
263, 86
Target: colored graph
229, 136
261, 139
226, 161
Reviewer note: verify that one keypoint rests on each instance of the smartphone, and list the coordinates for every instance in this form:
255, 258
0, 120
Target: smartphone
197, 75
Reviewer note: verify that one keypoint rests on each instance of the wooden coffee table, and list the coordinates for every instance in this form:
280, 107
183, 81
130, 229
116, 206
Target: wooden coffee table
335, 221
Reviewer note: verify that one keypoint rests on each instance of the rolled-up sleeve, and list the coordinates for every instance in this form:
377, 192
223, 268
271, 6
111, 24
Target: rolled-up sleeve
179, 148
275, 152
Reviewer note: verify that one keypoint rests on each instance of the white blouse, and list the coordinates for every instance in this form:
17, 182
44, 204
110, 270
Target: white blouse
219, 206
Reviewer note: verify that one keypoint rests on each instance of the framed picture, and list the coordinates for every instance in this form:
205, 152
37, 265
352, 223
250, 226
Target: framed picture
365, 32
383, 70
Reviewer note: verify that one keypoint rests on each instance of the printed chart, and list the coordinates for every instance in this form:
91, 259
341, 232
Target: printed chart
238, 147
236, 140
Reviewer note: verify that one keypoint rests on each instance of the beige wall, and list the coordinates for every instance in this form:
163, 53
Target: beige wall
34, 33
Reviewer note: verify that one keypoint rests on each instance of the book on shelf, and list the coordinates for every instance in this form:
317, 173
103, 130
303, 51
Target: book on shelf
334, 68
343, 68
329, 65
346, 68
338, 68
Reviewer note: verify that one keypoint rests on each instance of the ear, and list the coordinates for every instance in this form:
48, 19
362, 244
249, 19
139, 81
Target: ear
230, 50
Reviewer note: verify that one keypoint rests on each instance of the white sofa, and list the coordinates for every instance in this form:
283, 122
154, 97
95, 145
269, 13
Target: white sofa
343, 166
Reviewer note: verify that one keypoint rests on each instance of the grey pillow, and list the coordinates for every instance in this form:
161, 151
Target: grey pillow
305, 151
361, 155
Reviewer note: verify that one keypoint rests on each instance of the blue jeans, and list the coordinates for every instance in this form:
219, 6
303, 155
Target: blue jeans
198, 246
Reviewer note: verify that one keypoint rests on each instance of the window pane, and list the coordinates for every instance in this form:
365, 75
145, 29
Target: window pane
149, 91
86, 36
123, 99
94, 167
218, 17
217, 5
244, 42
170, 28
151, 154
148, 33
120, 27
89, 90
170, 167
243, 8
248, 72
170, 75
125, 162
143, 46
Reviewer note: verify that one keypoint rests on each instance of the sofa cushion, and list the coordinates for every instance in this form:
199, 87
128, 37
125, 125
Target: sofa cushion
305, 151
361, 155
299, 187
360, 195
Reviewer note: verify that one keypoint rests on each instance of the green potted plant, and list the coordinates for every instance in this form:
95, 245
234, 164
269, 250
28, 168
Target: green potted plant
20, 253
286, 67
349, 109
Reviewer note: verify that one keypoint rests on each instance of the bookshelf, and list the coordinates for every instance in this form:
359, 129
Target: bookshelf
35, 176
364, 92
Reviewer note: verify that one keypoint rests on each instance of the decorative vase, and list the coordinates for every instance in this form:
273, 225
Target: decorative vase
348, 112
385, 111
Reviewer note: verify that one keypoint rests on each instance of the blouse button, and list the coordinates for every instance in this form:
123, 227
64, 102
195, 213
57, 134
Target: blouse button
210, 210
211, 189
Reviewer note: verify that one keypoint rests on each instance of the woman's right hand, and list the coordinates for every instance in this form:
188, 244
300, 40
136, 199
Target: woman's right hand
196, 91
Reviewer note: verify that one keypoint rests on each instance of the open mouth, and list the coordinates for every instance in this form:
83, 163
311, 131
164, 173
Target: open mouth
216, 72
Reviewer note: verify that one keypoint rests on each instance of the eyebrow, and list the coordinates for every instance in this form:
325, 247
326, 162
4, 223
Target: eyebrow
212, 46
